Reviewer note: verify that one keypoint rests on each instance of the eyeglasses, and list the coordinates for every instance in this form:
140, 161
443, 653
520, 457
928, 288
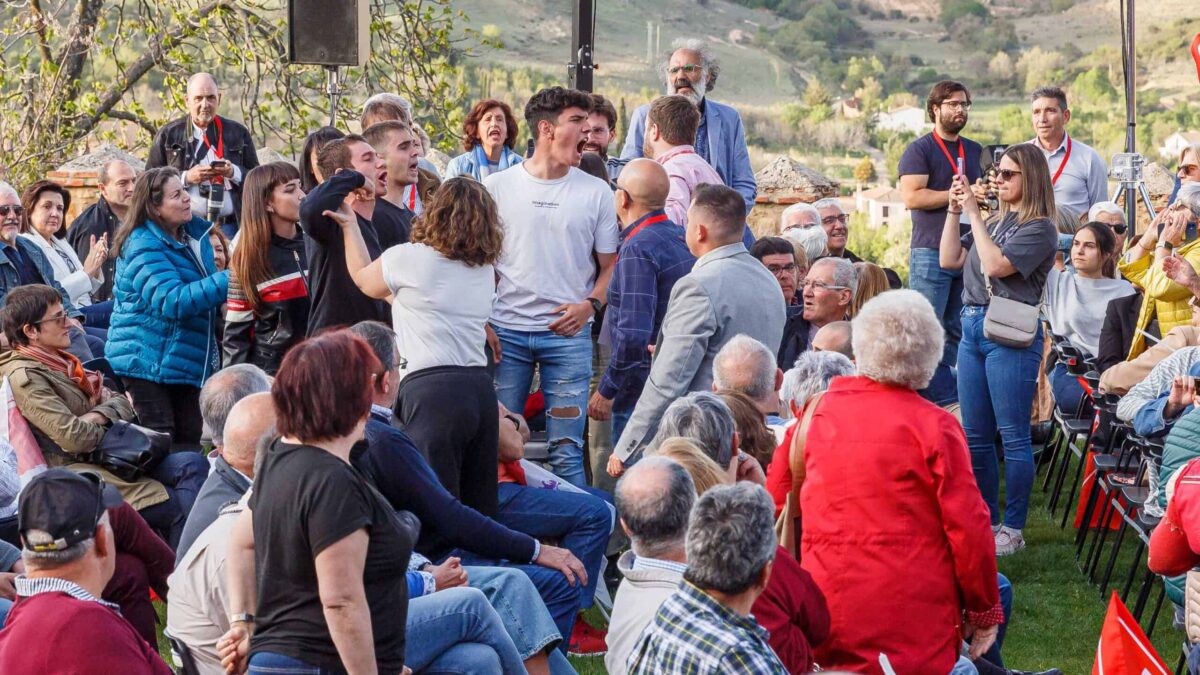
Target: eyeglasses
776, 269
799, 226
1187, 169
685, 69
60, 319
821, 285
1006, 174
15, 209
830, 220
957, 105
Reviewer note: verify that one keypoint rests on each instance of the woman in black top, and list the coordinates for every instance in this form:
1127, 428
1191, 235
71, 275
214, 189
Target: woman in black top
267, 309
328, 552
1015, 249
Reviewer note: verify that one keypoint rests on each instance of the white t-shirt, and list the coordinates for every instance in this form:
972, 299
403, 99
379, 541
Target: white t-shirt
440, 307
551, 228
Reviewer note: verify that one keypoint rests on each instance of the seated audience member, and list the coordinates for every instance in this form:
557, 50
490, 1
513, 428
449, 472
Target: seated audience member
70, 555
1173, 397
834, 337
944, 525
1111, 214
10, 566
810, 376
755, 438
828, 294
1159, 382
268, 302
780, 258
706, 626
687, 453
799, 215
1120, 377
835, 222
46, 205
1175, 544
310, 170
489, 132
234, 447
398, 470
671, 125
812, 239
654, 499
101, 220
23, 264
167, 298
1165, 300
705, 419
1067, 223
69, 410
1072, 300
747, 366
872, 281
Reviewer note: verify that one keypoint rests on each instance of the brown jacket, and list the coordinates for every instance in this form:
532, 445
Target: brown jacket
1119, 379
53, 405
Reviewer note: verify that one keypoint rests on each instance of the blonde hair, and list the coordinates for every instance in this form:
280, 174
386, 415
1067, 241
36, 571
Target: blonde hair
705, 472
871, 282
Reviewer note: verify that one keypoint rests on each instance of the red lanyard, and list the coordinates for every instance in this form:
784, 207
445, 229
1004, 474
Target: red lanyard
220, 149
645, 223
412, 198
961, 155
1063, 165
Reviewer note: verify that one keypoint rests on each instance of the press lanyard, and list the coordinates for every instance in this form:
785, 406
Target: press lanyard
1063, 165
961, 155
645, 223
220, 149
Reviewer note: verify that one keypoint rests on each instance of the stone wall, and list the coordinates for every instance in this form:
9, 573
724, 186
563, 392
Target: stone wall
782, 183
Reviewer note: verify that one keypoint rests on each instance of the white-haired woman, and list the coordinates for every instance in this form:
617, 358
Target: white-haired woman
900, 529
813, 240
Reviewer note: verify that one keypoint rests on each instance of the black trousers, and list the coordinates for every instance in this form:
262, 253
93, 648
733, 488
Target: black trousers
450, 413
170, 408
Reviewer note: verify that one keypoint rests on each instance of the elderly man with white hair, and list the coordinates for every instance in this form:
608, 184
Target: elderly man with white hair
799, 215
691, 70
827, 293
746, 365
836, 223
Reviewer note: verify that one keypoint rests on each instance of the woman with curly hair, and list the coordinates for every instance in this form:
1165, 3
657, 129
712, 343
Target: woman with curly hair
488, 136
443, 281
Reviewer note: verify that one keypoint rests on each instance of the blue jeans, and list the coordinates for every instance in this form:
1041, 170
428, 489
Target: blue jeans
182, 474
565, 365
1006, 603
996, 386
5, 607
521, 610
943, 289
619, 419
1067, 390
271, 663
456, 631
97, 315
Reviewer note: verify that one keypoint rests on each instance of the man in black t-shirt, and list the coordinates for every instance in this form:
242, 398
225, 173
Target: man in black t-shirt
400, 150
926, 170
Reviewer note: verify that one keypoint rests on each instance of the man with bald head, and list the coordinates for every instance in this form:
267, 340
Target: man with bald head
213, 153
652, 257
101, 220
727, 293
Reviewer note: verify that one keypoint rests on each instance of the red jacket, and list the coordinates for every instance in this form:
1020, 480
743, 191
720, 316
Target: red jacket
896, 533
793, 610
779, 471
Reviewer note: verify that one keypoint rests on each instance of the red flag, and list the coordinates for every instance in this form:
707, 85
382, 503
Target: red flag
1124, 649
1196, 52
15, 430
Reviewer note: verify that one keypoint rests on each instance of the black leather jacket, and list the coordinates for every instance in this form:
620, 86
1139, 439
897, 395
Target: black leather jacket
263, 335
96, 220
173, 146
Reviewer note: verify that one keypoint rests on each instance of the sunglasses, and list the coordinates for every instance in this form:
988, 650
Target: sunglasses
1120, 229
15, 209
1007, 174
60, 319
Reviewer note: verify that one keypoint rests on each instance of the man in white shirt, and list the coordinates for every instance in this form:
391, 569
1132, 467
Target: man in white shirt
560, 243
1079, 174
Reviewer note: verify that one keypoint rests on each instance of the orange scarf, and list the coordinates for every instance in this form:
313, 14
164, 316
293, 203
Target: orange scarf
90, 381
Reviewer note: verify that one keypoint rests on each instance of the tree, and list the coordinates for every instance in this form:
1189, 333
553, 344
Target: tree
83, 68
1002, 70
869, 95
953, 10
1039, 67
864, 171
816, 95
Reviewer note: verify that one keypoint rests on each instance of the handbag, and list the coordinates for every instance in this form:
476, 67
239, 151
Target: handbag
1009, 323
787, 527
129, 451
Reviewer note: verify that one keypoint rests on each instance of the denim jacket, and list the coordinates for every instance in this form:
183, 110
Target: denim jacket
10, 278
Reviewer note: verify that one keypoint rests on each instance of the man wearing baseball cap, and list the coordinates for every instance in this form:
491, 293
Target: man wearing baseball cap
59, 623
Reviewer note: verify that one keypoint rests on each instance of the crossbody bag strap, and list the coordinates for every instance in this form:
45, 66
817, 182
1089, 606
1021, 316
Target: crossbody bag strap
796, 455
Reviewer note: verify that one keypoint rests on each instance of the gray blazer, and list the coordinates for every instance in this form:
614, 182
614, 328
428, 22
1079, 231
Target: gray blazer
727, 293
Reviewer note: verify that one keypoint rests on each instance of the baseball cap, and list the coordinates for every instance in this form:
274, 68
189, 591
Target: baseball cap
66, 504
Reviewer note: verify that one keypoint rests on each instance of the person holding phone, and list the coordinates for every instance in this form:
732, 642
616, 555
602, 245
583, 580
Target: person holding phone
1166, 301
1009, 256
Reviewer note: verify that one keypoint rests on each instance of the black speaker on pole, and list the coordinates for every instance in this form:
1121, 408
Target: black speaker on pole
329, 32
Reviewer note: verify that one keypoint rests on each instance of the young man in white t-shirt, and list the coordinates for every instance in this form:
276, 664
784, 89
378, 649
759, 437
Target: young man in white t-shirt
560, 243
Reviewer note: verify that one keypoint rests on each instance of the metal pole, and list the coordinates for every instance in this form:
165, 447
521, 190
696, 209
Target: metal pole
333, 88
1130, 105
583, 35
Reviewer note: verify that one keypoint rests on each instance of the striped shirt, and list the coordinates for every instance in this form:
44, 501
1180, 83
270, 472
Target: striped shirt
28, 587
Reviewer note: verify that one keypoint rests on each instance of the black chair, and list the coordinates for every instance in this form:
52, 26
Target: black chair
185, 663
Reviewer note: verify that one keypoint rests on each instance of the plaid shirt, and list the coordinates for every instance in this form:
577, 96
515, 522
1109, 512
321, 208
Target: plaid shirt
693, 634
648, 265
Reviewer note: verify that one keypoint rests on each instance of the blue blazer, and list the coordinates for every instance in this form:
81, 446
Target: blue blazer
165, 308
468, 163
726, 146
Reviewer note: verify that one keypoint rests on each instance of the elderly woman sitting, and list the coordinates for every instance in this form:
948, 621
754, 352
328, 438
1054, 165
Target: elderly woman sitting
703, 418
909, 535
69, 409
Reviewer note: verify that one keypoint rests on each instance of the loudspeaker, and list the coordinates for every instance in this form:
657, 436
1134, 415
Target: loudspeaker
329, 32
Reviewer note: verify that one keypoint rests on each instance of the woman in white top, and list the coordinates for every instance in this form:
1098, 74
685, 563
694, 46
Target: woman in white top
442, 283
1074, 302
46, 205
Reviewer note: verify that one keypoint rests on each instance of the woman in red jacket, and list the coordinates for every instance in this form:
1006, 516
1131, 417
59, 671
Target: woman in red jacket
896, 533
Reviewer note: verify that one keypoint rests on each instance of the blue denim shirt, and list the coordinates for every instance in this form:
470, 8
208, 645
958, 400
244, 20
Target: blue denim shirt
1149, 420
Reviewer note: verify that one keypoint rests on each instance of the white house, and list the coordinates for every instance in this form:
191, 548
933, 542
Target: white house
1176, 142
884, 206
904, 118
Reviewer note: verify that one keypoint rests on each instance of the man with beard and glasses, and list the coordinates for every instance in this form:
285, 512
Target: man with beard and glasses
692, 71
926, 170
600, 131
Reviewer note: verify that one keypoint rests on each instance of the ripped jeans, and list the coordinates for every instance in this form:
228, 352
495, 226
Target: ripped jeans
565, 364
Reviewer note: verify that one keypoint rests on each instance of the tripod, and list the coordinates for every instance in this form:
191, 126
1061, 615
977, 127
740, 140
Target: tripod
1133, 188
1127, 166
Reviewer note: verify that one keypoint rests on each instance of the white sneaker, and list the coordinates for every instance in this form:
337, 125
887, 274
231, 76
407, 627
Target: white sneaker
1009, 541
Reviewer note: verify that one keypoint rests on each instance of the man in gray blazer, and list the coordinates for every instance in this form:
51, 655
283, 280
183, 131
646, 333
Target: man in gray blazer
727, 293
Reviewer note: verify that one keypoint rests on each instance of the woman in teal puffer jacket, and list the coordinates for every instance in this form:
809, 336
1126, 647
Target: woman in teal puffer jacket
168, 293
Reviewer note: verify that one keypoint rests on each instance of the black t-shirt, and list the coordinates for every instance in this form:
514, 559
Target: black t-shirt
1029, 246
305, 500
392, 223
923, 157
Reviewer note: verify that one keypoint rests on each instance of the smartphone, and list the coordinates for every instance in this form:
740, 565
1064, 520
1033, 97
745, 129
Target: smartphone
962, 168
218, 164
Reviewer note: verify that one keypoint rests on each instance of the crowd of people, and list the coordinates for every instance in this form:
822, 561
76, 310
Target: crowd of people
295, 402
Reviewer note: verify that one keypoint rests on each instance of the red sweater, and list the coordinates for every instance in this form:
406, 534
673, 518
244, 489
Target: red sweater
43, 635
1175, 543
793, 610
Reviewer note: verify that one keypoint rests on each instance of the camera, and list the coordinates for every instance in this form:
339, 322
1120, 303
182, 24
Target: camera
1127, 167
216, 198
989, 163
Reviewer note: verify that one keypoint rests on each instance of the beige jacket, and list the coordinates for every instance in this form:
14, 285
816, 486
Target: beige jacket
1119, 379
639, 596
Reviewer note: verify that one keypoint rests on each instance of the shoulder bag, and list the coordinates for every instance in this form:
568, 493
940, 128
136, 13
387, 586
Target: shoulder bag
787, 527
1008, 322
129, 451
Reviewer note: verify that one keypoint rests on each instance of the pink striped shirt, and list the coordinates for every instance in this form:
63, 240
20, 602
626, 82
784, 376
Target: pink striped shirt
686, 169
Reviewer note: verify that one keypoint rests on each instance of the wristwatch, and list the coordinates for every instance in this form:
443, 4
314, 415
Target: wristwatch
596, 305
244, 617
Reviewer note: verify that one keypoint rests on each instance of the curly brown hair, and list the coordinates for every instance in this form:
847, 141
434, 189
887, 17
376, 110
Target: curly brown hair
462, 223
471, 123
